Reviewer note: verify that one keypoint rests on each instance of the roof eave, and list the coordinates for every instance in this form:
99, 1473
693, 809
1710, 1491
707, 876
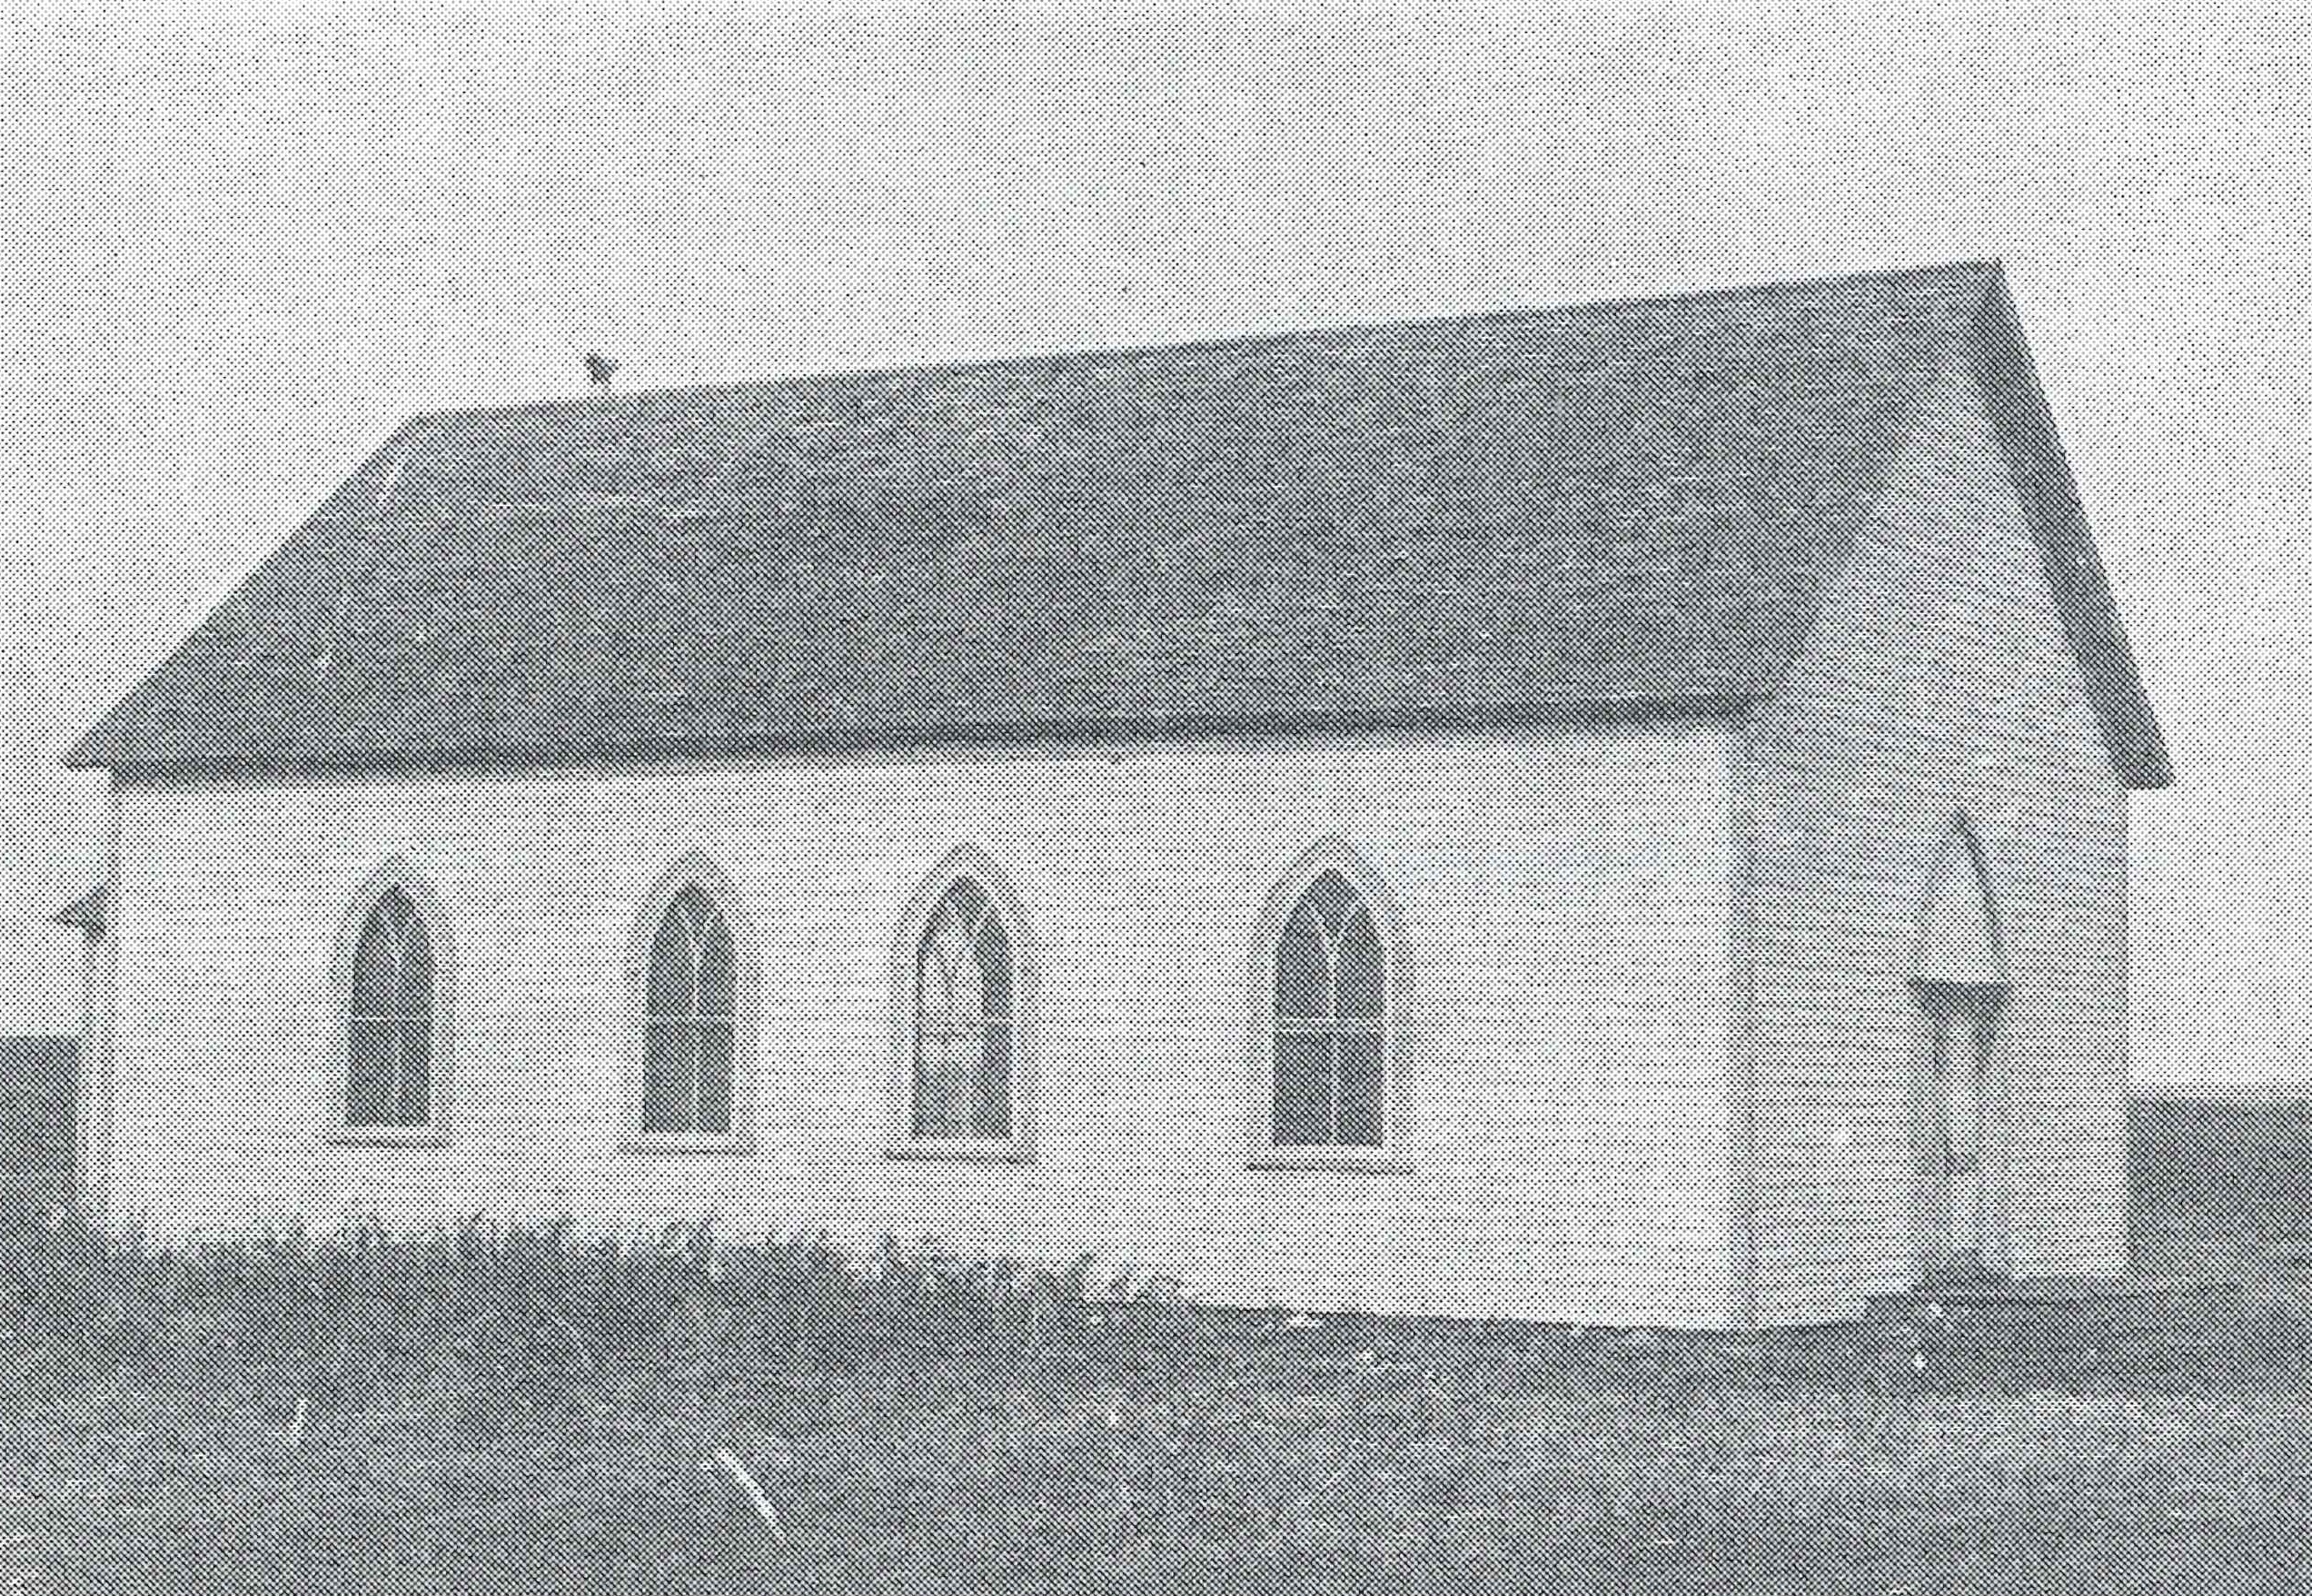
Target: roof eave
906, 740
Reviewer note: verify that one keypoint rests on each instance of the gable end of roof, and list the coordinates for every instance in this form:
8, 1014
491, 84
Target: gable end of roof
2025, 429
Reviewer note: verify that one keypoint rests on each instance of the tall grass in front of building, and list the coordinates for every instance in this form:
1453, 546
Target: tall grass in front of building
528, 1409
488, 1329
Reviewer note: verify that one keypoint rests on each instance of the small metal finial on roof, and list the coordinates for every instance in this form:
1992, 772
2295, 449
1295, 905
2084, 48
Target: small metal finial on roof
598, 368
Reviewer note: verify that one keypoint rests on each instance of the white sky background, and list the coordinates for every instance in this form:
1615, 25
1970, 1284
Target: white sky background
239, 247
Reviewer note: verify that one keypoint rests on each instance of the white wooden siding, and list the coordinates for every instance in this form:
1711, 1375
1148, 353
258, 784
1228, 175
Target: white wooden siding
1937, 681
1565, 895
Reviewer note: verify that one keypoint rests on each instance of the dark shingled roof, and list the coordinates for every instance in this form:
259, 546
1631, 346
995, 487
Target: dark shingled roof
1596, 508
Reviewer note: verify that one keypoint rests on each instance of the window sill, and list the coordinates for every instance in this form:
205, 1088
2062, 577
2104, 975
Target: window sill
681, 1144
958, 1150
388, 1135
1354, 1160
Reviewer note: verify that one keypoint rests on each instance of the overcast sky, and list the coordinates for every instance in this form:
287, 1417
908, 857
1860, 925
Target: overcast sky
241, 245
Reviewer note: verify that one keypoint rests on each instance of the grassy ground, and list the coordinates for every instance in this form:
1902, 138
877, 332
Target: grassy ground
524, 1413
35, 1122
2221, 1186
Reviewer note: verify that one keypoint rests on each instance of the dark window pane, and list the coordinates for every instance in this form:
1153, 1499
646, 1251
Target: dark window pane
1302, 1087
714, 1053
995, 971
944, 1071
685, 1076
414, 1041
717, 967
943, 943
1301, 976
392, 965
1330, 899
376, 978
687, 1071
666, 1087
369, 1086
415, 998
1358, 1091
1358, 994
967, 901
963, 1019
671, 989
963, 1012
1331, 994
950, 988
991, 1096
389, 1026
415, 993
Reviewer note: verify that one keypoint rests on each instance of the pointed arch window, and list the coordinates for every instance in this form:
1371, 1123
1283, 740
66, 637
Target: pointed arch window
690, 1019
390, 1019
1328, 1021
963, 1019
1959, 934
1960, 1123
964, 969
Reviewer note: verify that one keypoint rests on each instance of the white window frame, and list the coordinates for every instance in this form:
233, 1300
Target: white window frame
1337, 854
974, 864
396, 874
693, 868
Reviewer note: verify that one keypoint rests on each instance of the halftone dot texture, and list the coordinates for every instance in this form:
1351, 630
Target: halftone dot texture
1550, 621
1465, 520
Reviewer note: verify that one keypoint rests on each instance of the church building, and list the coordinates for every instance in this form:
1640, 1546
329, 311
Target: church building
1614, 814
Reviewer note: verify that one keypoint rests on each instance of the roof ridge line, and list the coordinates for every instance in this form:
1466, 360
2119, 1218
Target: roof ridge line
1985, 264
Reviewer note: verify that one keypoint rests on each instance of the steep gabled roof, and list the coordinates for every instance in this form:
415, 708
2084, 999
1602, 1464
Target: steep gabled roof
1458, 521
